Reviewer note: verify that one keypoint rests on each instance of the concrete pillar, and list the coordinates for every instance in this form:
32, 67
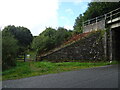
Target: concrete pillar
105, 44
111, 45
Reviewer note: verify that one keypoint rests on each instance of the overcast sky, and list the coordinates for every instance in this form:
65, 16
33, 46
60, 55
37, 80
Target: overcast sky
36, 15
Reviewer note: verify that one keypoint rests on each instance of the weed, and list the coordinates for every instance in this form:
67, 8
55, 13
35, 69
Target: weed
28, 69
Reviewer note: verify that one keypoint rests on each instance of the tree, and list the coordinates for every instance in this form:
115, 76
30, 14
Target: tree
45, 41
96, 9
9, 50
62, 35
78, 24
22, 34
49, 39
50, 32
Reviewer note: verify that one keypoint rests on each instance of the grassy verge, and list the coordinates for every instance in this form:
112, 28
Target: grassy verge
28, 69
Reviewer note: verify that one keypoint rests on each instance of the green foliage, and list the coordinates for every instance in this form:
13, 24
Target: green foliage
22, 34
27, 69
9, 50
15, 40
45, 41
49, 39
62, 35
94, 9
78, 24
50, 32
99, 8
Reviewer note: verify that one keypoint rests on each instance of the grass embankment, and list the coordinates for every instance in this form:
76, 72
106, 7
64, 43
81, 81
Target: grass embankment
28, 69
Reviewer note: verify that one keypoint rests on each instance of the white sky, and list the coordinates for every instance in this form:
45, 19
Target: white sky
33, 14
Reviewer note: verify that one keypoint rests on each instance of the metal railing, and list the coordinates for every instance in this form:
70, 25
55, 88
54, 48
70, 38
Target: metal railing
108, 16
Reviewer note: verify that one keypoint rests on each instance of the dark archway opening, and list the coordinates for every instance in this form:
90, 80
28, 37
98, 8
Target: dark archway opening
116, 43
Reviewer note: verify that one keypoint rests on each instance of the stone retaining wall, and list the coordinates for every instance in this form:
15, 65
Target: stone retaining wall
89, 48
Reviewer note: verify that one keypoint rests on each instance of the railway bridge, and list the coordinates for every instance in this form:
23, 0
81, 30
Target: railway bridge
109, 22
92, 46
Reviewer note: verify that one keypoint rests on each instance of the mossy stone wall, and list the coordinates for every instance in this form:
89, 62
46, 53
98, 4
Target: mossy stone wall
90, 48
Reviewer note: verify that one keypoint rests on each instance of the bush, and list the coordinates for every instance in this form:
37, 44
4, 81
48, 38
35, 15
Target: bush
9, 50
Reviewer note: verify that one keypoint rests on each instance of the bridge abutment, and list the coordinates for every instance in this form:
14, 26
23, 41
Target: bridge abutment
113, 49
97, 46
115, 52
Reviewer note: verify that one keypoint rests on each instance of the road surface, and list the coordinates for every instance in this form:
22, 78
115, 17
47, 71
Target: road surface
98, 77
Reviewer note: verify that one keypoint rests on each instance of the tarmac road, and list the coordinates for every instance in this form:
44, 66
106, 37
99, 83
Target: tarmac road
98, 77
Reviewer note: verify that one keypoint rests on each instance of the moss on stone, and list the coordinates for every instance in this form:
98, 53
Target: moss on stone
89, 48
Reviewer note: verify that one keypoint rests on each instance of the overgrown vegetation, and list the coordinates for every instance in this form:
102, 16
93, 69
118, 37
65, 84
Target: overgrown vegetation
21, 34
18, 40
15, 40
49, 39
27, 69
94, 9
9, 50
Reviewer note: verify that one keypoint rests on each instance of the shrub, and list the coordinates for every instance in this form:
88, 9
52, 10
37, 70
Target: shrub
9, 50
